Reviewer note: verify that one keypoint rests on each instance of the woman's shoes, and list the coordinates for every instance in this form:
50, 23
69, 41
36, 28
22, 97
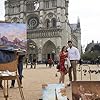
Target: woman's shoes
21, 86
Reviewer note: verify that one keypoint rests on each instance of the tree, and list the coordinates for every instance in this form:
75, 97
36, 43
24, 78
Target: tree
91, 55
96, 47
91, 52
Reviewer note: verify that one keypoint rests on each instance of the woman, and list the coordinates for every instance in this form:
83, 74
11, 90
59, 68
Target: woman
62, 69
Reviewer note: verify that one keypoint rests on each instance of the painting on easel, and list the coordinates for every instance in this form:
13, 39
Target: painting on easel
13, 35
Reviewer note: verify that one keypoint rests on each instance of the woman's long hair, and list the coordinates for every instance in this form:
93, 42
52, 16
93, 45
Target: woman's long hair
63, 48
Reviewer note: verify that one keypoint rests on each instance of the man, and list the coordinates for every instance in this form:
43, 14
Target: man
46, 62
31, 60
20, 67
34, 62
74, 56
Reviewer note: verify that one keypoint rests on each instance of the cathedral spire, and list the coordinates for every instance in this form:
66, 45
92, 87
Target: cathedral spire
78, 22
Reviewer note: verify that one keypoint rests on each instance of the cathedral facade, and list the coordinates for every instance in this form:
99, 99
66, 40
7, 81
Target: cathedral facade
48, 28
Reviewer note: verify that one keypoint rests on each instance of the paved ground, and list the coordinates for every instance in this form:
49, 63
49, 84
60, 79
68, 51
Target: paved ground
34, 78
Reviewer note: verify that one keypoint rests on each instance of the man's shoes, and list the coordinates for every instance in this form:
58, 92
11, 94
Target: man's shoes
56, 75
21, 86
68, 84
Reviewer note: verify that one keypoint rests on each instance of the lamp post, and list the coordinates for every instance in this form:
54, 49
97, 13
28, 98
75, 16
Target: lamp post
53, 54
57, 53
32, 54
40, 54
32, 47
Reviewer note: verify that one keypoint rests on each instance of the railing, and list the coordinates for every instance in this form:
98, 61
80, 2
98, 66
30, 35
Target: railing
42, 33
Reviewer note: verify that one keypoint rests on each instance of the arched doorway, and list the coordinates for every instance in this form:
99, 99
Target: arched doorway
49, 51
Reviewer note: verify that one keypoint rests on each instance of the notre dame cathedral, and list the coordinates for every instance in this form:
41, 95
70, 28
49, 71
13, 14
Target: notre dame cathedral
48, 28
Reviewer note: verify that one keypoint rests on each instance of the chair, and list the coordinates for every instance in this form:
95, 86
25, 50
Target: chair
11, 67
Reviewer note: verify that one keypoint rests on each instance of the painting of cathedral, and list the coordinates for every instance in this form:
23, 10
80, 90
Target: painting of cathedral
13, 35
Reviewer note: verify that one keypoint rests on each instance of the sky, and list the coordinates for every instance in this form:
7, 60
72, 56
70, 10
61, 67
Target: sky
89, 14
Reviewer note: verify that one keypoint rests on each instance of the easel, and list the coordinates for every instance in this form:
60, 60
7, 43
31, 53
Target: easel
11, 67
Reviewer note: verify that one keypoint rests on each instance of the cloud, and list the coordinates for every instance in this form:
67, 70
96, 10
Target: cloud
2, 9
89, 14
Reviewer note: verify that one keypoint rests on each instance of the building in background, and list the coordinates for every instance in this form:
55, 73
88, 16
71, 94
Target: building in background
48, 28
92, 46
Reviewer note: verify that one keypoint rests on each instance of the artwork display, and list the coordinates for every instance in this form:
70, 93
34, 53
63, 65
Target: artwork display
13, 35
53, 92
85, 90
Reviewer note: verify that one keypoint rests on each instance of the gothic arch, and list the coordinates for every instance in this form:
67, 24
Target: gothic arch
15, 19
54, 22
50, 20
50, 15
49, 50
47, 23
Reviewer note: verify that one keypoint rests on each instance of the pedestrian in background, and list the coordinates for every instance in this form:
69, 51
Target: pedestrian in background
46, 62
31, 60
21, 55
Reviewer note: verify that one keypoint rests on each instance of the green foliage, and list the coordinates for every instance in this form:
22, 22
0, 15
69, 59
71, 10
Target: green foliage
93, 54
97, 47
90, 55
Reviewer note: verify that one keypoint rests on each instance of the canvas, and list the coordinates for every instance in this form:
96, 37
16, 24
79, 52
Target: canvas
13, 35
86, 90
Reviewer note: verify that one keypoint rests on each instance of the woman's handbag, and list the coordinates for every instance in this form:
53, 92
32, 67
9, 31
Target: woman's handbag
67, 63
